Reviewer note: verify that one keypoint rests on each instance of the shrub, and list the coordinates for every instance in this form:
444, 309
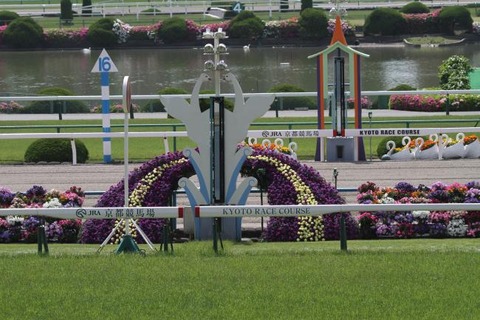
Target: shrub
246, 25
453, 73
23, 32
290, 103
66, 12
455, 17
157, 105
421, 23
385, 22
173, 30
414, 7
7, 16
306, 4
417, 103
383, 102
100, 33
57, 150
313, 23
403, 87
46, 107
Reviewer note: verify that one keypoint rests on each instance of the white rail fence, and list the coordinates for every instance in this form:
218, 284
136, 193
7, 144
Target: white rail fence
231, 211
171, 7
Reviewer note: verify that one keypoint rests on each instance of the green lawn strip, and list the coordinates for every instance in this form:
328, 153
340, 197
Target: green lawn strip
394, 279
142, 149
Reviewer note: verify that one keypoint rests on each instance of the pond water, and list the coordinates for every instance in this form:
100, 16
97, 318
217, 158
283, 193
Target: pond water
24, 73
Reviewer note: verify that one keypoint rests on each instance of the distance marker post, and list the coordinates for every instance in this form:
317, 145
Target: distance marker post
104, 66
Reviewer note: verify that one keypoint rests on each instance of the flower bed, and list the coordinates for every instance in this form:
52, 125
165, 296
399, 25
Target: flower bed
24, 229
436, 224
436, 103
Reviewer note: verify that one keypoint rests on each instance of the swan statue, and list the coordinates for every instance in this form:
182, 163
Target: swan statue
402, 155
197, 124
429, 153
454, 151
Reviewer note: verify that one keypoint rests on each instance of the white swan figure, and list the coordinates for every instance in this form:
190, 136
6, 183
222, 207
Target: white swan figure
196, 121
246, 48
401, 155
430, 153
454, 151
87, 50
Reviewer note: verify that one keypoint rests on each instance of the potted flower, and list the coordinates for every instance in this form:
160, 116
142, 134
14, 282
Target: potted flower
453, 148
427, 149
472, 146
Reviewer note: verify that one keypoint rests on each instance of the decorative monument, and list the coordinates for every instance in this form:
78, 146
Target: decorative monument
217, 160
339, 147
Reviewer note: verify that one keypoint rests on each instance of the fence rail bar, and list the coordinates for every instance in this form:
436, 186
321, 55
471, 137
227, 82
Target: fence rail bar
317, 210
98, 213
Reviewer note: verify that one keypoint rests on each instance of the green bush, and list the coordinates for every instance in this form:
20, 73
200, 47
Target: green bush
414, 7
313, 23
7, 16
453, 73
306, 4
66, 12
455, 18
173, 30
385, 22
55, 150
384, 101
290, 103
23, 32
46, 106
246, 26
100, 33
157, 105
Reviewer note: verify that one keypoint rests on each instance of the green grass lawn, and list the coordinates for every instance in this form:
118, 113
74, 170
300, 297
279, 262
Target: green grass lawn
386, 279
141, 149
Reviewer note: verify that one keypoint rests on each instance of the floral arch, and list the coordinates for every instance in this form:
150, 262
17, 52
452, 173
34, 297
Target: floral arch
285, 180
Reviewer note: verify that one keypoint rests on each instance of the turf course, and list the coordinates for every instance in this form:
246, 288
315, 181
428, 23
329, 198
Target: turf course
385, 279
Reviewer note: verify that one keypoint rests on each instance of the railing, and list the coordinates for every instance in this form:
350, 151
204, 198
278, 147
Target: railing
26, 7
277, 95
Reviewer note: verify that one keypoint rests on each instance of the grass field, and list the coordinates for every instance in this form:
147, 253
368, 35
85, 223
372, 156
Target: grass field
142, 149
387, 279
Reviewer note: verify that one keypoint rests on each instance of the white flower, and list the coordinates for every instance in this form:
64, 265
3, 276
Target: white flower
420, 214
12, 220
54, 203
457, 228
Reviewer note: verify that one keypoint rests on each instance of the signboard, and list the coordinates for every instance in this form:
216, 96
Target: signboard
98, 213
104, 63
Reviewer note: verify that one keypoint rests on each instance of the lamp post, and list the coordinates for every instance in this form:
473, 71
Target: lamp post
217, 126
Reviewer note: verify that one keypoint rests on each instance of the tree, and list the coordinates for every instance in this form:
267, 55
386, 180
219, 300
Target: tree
66, 13
87, 7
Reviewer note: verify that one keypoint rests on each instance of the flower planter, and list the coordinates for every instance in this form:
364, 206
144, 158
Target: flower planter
430, 153
403, 155
472, 150
455, 151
